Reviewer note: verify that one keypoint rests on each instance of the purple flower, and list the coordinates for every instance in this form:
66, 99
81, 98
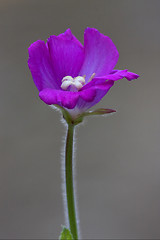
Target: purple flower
74, 76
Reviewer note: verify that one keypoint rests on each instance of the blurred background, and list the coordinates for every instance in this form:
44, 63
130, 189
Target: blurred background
117, 158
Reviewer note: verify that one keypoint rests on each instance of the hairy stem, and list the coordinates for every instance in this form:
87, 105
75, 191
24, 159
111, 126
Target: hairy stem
69, 181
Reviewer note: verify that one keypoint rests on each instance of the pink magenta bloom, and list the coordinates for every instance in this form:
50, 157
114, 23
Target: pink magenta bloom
74, 76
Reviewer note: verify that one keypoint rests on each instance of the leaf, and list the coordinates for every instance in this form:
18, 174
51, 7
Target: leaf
100, 111
65, 234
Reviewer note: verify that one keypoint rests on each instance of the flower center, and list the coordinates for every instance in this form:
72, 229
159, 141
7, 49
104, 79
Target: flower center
74, 84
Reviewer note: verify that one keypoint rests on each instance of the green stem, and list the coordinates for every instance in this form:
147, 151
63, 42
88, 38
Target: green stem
69, 181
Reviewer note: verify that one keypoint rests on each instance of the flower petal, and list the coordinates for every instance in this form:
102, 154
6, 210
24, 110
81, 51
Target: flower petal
88, 95
63, 98
81, 100
118, 74
101, 54
39, 63
67, 55
96, 93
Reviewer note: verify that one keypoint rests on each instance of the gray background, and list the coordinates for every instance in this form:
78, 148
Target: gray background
118, 163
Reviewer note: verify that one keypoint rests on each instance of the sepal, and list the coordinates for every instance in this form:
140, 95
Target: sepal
79, 118
66, 234
100, 111
68, 117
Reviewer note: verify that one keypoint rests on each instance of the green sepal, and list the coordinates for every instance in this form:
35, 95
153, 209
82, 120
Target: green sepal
100, 111
79, 118
66, 234
69, 118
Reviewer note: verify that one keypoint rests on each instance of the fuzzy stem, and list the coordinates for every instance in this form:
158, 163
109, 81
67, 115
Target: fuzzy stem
69, 181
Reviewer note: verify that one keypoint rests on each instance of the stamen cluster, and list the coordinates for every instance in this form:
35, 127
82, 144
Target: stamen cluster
72, 84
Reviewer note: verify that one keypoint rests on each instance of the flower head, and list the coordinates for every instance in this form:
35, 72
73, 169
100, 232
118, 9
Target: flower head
74, 76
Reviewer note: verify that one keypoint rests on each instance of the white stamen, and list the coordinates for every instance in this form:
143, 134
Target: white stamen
65, 84
79, 79
92, 76
67, 78
76, 83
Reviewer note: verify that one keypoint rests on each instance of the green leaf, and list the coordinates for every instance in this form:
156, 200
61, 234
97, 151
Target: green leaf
65, 234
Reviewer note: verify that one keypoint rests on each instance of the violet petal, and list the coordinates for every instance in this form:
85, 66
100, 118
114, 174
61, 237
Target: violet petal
67, 55
101, 54
117, 75
100, 92
63, 98
40, 66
